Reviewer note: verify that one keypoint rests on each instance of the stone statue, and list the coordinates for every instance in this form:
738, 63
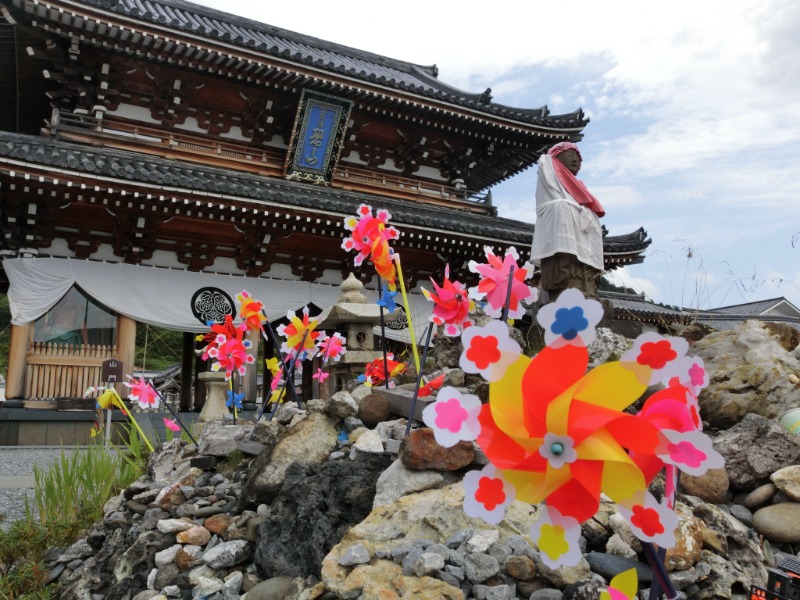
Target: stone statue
568, 239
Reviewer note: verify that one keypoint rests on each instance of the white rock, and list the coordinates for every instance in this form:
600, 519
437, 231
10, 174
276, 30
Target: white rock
174, 525
166, 557
370, 442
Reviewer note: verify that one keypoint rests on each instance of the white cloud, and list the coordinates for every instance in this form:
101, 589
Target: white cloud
623, 277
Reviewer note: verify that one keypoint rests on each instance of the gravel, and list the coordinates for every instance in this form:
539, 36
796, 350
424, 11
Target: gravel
19, 460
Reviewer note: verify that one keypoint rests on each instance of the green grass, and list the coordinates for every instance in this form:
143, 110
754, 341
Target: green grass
69, 498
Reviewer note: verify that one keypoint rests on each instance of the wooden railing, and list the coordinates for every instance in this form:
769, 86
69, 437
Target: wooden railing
60, 371
118, 132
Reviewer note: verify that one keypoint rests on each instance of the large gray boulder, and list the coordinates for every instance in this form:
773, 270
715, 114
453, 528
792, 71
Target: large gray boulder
317, 504
750, 372
310, 440
754, 449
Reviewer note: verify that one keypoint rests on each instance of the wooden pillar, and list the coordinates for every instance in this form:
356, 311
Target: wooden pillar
307, 392
266, 377
200, 391
126, 349
18, 361
187, 362
250, 379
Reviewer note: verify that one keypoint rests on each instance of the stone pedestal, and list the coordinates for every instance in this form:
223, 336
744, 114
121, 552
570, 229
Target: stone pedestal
214, 408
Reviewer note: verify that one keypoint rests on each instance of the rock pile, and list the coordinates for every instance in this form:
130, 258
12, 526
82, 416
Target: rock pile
333, 509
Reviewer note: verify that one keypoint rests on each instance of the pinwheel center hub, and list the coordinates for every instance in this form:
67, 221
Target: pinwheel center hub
557, 448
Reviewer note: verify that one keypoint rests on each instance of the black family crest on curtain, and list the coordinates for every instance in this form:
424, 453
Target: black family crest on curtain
318, 136
210, 304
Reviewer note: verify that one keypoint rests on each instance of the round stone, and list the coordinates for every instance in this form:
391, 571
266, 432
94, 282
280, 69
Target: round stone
779, 523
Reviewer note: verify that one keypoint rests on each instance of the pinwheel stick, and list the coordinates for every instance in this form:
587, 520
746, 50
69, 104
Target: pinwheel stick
396, 258
381, 289
126, 411
174, 414
325, 358
288, 373
230, 390
655, 588
269, 335
662, 577
504, 317
428, 335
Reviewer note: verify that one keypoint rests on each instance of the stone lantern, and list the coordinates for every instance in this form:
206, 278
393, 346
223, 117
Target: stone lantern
354, 317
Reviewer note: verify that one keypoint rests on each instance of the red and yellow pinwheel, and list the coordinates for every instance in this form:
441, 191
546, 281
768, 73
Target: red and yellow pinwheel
251, 310
299, 333
557, 435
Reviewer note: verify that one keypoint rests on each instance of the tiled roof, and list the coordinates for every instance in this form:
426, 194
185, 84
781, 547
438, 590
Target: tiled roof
637, 305
750, 308
143, 168
326, 56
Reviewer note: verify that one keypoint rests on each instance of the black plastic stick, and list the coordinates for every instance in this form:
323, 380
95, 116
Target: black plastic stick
419, 377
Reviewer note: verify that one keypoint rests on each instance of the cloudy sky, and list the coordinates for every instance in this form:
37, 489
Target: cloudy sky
694, 132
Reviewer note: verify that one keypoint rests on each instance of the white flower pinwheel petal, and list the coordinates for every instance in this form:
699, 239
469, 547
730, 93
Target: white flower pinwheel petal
650, 521
691, 451
488, 350
557, 537
692, 373
487, 495
453, 417
572, 319
656, 357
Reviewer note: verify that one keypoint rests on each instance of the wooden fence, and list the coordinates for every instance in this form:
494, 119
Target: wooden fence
62, 371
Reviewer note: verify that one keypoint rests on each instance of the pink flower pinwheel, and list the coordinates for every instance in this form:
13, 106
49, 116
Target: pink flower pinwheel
451, 305
171, 425
320, 375
332, 348
453, 417
494, 283
143, 393
232, 356
370, 238
299, 333
219, 333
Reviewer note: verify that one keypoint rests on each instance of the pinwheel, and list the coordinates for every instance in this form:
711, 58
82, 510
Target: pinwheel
370, 238
171, 425
333, 347
219, 333
299, 333
251, 310
493, 286
142, 392
374, 373
558, 435
387, 300
231, 356
234, 400
622, 586
452, 305
107, 400
431, 386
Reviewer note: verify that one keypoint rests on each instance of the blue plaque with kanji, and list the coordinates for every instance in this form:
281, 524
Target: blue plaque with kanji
318, 136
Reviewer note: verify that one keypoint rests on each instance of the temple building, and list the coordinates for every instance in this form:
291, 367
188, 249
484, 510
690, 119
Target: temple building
157, 157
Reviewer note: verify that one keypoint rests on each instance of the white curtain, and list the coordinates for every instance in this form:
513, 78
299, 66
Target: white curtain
159, 296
